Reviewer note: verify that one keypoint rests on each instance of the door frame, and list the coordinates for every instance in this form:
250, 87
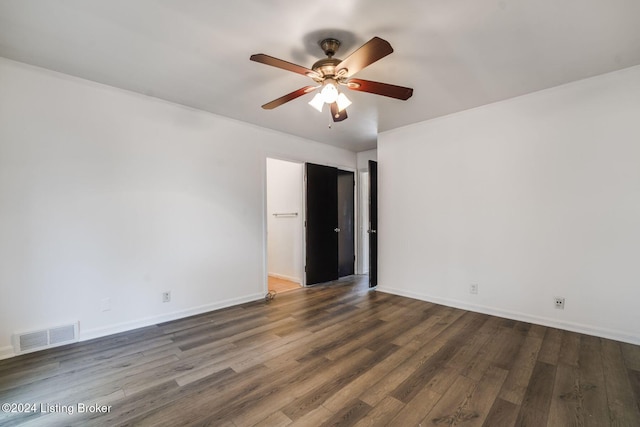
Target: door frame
265, 221
303, 242
362, 253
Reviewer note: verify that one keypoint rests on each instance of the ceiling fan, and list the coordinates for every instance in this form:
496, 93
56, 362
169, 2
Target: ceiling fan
330, 73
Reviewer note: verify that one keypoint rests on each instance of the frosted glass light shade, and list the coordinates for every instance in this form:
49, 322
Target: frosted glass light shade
342, 101
317, 102
329, 93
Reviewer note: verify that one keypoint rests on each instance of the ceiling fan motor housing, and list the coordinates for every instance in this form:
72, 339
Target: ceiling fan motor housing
326, 68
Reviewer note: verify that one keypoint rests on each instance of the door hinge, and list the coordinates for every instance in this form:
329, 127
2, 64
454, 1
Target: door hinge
305, 268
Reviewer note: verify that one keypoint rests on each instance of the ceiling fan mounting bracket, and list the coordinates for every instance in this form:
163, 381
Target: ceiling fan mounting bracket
329, 46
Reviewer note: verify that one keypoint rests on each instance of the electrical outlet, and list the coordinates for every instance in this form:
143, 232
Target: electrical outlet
473, 288
105, 304
166, 296
558, 302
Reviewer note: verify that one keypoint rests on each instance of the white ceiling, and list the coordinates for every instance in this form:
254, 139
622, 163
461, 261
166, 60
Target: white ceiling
456, 54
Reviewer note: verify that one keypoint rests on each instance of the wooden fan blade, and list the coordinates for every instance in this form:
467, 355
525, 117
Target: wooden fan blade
288, 97
384, 89
279, 63
367, 54
336, 115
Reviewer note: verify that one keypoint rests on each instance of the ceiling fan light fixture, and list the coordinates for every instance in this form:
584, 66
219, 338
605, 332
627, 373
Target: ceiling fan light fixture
329, 92
342, 101
317, 102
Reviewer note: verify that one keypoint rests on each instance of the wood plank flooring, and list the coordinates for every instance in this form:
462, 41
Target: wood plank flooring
279, 285
331, 355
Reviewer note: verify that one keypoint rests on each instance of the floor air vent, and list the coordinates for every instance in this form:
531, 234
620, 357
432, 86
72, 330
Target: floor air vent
45, 338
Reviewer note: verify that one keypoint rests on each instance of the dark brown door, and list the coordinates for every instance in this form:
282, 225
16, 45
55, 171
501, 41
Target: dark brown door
321, 224
346, 244
373, 224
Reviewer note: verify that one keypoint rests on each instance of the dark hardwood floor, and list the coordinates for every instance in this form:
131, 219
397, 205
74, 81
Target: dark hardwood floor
331, 355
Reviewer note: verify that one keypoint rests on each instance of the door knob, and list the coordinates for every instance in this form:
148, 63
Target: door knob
337, 230
371, 231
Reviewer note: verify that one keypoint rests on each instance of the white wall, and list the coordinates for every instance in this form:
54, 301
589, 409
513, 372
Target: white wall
284, 241
110, 194
530, 198
363, 158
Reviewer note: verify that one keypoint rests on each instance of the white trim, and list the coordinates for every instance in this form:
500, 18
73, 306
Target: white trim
544, 321
285, 277
6, 352
153, 320
363, 226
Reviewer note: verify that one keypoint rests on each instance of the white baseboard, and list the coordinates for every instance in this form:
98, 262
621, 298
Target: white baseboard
553, 323
6, 352
289, 278
90, 334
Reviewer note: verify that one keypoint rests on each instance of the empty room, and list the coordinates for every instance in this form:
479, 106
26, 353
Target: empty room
278, 213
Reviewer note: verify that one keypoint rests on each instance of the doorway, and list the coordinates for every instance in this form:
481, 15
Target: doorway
373, 224
284, 225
